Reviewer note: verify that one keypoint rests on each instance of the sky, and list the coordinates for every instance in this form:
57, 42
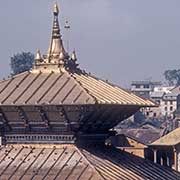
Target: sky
117, 40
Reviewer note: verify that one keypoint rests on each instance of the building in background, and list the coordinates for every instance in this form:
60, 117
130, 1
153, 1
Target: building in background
165, 97
166, 101
144, 88
129, 144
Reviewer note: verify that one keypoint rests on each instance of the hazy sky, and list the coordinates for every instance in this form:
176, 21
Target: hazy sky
118, 40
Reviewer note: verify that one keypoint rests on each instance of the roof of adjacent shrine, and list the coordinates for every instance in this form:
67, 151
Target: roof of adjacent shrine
56, 79
170, 139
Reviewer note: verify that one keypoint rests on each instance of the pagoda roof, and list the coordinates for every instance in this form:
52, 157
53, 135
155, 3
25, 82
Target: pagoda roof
64, 161
39, 87
56, 79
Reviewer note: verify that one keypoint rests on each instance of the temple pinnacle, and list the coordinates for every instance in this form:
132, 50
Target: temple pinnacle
56, 44
56, 57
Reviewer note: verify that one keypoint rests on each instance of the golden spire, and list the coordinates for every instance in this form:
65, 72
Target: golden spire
56, 44
56, 9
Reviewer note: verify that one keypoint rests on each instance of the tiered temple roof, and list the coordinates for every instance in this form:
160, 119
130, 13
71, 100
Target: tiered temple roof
54, 118
56, 85
56, 79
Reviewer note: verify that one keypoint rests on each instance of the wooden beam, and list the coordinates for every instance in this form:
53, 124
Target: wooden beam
44, 116
62, 112
5, 120
23, 117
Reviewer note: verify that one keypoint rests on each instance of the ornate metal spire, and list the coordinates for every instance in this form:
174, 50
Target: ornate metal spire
56, 58
56, 45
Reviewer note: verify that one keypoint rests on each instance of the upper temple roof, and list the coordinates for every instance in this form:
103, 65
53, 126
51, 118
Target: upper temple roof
56, 79
64, 88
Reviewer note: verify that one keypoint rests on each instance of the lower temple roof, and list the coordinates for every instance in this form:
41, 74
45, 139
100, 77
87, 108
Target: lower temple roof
70, 162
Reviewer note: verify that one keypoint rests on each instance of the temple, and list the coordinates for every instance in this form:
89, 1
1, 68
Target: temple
55, 118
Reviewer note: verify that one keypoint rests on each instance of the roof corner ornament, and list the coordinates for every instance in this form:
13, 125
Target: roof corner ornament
38, 56
38, 59
72, 63
73, 56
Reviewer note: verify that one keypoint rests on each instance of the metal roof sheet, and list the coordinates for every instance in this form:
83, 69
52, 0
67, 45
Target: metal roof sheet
157, 94
70, 162
64, 88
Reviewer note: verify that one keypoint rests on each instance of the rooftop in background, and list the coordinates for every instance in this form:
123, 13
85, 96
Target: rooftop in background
157, 94
171, 139
143, 88
166, 89
144, 136
144, 82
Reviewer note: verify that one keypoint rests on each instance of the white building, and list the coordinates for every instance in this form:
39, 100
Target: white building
144, 88
166, 101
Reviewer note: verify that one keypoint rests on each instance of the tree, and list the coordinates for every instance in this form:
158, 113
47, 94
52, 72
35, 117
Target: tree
172, 76
21, 62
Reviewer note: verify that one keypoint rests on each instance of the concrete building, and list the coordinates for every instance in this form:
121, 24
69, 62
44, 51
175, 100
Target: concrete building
167, 105
166, 100
144, 88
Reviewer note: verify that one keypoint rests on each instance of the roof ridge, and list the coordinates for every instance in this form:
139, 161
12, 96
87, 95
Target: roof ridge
86, 159
14, 76
82, 87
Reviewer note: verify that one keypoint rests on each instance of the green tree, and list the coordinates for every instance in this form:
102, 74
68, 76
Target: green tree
172, 76
21, 62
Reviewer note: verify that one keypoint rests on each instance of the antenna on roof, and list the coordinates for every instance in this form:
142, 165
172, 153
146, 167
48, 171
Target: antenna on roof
67, 27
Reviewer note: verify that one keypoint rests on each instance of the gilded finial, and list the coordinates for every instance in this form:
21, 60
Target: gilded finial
38, 55
56, 44
56, 9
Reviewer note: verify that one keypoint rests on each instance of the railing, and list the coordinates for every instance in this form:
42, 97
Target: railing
39, 138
